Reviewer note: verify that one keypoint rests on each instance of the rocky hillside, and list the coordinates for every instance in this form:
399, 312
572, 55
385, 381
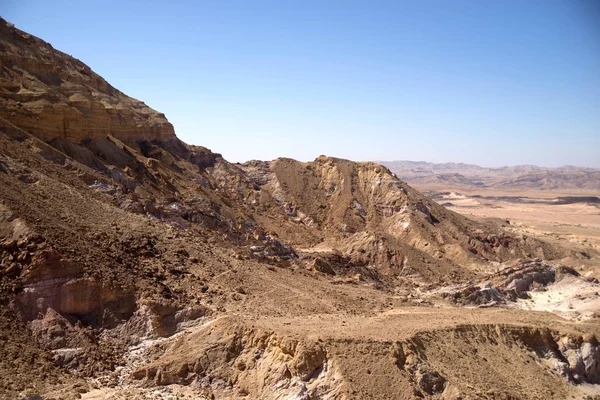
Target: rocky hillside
364, 214
133, 265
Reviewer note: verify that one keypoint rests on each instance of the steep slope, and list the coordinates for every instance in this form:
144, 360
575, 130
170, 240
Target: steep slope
133, 265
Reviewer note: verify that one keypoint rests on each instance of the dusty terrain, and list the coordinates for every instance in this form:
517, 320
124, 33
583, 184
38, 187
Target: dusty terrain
560, 217
135, 266
570, 218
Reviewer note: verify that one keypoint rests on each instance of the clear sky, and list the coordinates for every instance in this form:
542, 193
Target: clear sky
491, 82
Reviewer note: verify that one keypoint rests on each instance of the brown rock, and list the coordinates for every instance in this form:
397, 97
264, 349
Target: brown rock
9, 244
23, 256
57, 96
322, 266
13, 270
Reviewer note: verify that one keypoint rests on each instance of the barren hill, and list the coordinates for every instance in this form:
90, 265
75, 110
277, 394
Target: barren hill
134, 265
362, 212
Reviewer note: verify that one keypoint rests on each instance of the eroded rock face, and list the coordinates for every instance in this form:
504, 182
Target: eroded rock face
85, 298
52, 282
159, 319
54, 331
226, 360
228, 357
581, 359
53, 95
534, 284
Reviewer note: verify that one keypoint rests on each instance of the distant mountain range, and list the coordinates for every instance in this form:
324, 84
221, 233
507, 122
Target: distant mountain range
510, 177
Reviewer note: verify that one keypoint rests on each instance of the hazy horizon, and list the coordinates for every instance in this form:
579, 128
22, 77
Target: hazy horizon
492, 84
485, 166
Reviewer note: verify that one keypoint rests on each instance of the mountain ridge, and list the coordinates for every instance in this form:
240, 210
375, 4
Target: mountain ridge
457, 165
507, 177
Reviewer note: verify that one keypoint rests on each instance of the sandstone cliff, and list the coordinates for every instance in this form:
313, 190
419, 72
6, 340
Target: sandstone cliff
53, 95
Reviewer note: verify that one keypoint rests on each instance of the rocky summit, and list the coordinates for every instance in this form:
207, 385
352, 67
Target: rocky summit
136, 266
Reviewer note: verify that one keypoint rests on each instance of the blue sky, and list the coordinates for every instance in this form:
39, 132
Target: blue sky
488, 82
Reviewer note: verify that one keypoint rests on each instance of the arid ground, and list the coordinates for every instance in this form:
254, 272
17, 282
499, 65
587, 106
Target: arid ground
567, 217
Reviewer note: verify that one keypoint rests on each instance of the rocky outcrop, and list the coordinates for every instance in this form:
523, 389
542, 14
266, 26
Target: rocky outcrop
224, 358
53, 95
534, 284
572, 357
49, 281
580, 360
85, 298
363, 211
